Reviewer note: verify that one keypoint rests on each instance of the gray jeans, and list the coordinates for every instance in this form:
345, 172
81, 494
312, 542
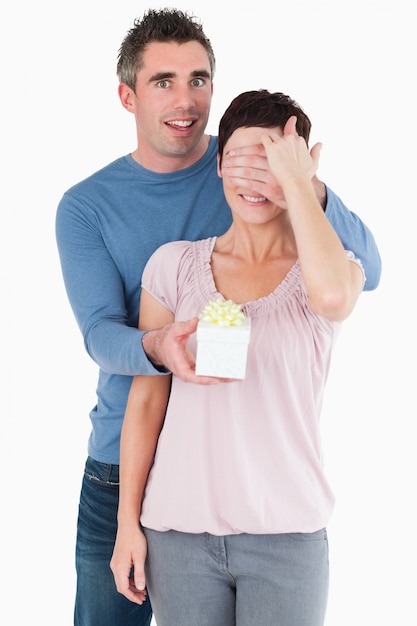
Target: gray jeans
237, 580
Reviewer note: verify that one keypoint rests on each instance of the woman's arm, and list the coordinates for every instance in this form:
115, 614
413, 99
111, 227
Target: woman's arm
248, 164
332, 281
143, 421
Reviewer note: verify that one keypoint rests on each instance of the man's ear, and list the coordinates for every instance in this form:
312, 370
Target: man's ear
126, 96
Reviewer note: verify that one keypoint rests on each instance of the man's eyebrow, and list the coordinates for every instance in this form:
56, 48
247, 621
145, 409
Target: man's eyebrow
161, 76
203, 73
165, 75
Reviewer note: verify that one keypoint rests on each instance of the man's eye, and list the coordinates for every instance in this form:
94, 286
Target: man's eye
197, 82
163, 84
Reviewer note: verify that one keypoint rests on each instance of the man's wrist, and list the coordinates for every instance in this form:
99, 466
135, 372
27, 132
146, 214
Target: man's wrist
150, 340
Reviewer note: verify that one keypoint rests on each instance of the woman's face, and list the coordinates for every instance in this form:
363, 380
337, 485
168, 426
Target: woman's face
246, 203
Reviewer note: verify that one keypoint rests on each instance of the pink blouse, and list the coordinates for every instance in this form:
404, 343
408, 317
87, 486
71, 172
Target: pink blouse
242, 457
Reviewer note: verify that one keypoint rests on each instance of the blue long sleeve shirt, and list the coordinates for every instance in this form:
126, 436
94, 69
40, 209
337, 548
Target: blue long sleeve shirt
107, 227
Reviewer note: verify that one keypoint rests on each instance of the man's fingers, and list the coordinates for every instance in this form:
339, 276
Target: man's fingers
186, 328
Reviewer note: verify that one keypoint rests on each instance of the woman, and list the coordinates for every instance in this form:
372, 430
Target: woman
227, 480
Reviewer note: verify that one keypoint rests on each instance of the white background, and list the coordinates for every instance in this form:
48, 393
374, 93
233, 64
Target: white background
351, 65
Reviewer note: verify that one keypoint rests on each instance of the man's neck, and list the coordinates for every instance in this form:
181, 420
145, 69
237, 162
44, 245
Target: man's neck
166, 163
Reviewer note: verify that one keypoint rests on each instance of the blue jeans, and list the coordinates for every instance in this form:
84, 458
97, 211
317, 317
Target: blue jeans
237, 580
98, 603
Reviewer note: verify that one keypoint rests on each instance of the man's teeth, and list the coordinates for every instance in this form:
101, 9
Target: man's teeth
254, 199
182, 123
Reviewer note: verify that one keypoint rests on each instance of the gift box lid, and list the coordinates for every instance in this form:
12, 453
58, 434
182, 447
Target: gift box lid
207, 331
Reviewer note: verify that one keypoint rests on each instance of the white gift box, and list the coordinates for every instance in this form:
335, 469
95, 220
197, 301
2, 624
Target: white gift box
222, 350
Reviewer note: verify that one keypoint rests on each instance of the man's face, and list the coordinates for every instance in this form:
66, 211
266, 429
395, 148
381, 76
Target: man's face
171, 103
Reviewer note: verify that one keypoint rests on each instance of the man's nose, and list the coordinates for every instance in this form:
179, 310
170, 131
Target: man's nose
184, 97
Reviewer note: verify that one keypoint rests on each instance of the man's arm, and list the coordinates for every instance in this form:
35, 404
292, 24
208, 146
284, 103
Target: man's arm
96, 294
353, 233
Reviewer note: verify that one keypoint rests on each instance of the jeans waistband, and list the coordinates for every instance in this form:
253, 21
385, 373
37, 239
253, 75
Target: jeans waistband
105, 472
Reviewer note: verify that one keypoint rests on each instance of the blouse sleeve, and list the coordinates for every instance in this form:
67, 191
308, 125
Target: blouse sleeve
351, 257
161, 273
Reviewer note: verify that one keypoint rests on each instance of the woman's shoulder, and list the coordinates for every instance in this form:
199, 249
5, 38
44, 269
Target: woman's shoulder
178, 248
173, 267
173, 254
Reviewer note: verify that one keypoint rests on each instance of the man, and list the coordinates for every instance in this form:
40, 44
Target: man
107, 227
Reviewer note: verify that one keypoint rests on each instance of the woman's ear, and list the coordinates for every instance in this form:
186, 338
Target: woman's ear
219, 172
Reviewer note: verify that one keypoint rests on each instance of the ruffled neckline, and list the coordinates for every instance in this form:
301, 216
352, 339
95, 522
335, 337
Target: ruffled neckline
205, 280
